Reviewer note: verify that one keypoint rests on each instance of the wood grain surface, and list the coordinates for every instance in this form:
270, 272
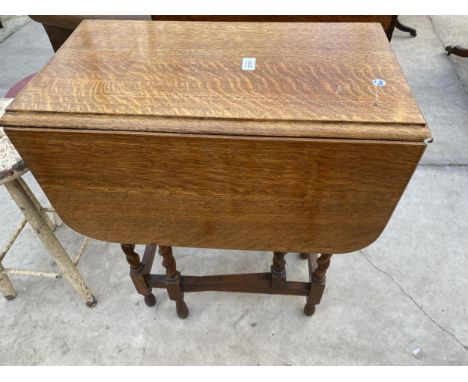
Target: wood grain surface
305, 73
289, 195
150, 132
211, 126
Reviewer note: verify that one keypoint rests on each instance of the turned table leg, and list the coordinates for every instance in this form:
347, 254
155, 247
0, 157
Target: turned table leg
317, 277
278, 270
137, 271
173, 281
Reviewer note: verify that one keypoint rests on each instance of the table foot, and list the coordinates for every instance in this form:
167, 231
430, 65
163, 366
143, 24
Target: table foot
182, 309
150, 300
309, 309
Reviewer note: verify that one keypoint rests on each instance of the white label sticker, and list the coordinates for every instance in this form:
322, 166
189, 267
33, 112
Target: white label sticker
248, 63
379, 82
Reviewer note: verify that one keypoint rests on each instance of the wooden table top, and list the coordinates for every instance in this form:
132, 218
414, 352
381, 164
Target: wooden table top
151, 132
310, 80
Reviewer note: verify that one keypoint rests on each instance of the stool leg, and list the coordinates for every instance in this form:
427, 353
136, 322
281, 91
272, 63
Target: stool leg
50, 242
5, 285
173, 281
318, 276
137, 273
36, 204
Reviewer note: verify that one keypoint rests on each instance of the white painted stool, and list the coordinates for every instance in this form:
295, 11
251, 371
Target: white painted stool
12, 167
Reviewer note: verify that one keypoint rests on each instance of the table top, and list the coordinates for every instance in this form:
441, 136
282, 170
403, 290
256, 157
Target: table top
310, 80
151, 132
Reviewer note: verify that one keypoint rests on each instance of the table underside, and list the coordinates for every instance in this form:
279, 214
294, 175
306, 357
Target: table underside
273, 282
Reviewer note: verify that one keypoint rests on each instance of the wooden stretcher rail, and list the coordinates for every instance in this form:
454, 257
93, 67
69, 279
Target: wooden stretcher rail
246, 283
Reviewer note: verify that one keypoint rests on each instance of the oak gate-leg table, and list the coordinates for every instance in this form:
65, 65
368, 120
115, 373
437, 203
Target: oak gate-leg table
281, 137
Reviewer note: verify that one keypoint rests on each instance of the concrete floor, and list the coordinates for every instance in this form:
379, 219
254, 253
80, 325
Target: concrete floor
407, 290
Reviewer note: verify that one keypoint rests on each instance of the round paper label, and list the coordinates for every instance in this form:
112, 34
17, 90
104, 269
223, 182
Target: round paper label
378, 82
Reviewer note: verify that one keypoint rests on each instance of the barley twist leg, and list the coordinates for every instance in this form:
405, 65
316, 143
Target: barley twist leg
137, 274
173, 281
318, 277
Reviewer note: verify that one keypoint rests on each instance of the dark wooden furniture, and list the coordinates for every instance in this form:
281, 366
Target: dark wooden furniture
405, 28
387, 21
59, 28
457, 50
151, 132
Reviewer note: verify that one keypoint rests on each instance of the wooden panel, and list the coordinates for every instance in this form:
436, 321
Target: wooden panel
387, 22
302, 195
304, 72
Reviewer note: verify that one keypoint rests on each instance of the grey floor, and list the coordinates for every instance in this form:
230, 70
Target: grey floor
408, 290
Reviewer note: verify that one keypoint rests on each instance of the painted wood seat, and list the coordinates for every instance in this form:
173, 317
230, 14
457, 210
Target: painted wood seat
11, 163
